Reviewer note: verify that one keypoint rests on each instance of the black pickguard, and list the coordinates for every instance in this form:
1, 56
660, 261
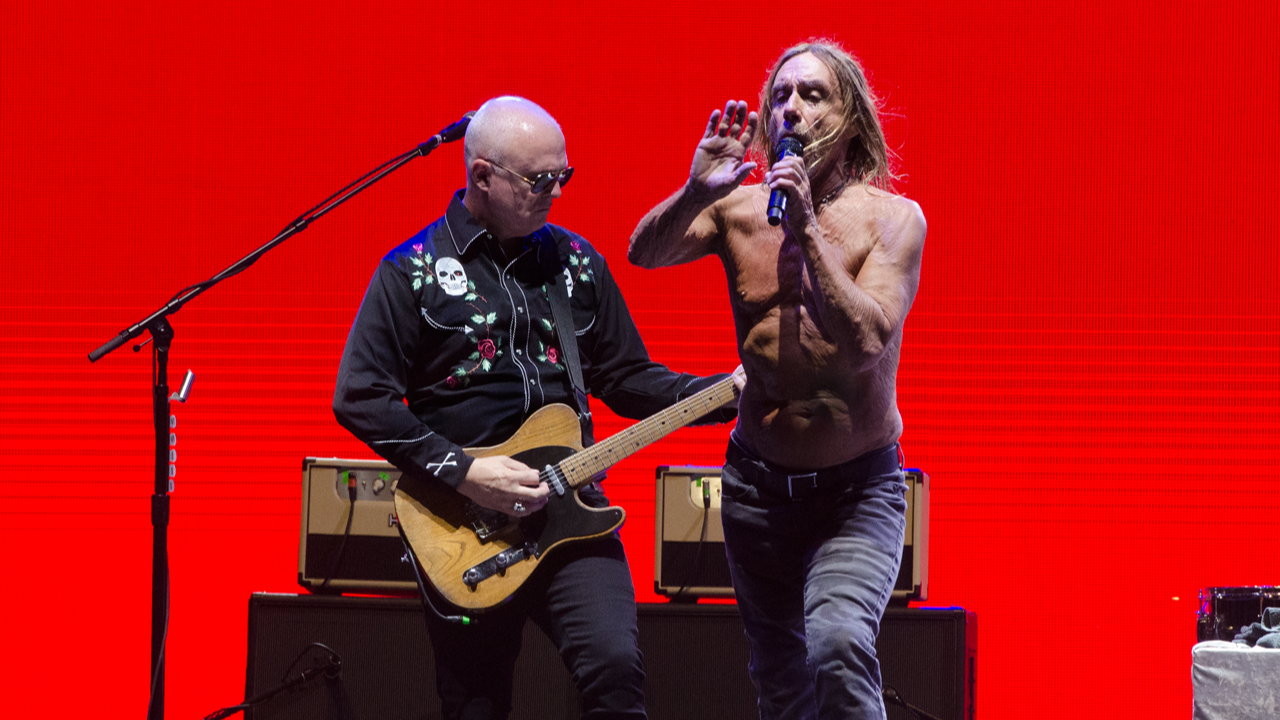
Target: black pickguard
564, 517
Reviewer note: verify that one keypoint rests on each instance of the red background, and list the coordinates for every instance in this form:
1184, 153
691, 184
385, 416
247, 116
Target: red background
1091, 372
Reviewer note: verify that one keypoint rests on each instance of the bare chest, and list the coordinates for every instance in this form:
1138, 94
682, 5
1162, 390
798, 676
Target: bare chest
768, 271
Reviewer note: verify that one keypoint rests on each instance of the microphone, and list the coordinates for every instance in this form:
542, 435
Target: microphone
778, 199
455, 131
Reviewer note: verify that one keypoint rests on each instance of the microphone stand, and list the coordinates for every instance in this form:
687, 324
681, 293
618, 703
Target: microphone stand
157, 324
332, 670
891, 696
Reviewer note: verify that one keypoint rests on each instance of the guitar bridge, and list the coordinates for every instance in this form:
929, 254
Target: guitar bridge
498, 564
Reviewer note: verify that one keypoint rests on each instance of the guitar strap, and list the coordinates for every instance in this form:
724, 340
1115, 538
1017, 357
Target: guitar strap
558, 293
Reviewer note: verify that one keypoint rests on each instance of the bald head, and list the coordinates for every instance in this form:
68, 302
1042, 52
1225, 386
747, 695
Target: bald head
510, 140
503, 125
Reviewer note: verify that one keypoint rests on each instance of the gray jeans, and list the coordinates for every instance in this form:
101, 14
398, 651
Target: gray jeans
814, 558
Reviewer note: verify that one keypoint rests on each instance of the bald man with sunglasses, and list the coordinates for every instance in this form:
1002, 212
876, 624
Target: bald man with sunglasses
455, 346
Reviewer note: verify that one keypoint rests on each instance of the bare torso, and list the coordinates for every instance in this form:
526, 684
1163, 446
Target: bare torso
811, 400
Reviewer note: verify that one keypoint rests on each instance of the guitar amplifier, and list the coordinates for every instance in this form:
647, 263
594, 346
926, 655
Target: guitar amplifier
684, 567
372, 558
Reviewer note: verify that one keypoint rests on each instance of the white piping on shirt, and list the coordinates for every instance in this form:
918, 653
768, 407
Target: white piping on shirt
464, 329
384, 442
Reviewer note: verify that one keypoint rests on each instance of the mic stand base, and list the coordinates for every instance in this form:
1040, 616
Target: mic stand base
331, 671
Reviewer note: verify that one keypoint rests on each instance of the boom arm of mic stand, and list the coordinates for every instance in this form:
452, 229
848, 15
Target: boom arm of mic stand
449, 134
186, 296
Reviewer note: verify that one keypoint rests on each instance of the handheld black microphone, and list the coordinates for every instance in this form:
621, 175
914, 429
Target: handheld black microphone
455, 131
777, 199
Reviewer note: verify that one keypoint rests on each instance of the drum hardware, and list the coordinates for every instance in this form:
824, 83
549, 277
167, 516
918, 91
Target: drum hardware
1225, 611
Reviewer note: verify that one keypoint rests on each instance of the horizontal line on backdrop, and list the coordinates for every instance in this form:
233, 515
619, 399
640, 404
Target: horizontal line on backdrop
905, 372
1058, 329
131, 513
1136, 526
1165, 316
184, 493
953, 408
989, 347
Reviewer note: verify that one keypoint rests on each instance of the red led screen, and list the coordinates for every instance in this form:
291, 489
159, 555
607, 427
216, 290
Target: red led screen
1090, 375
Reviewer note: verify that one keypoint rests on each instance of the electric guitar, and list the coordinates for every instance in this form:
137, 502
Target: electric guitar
478, 558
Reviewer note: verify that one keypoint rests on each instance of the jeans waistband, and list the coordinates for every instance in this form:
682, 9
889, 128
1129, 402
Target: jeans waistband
802, 484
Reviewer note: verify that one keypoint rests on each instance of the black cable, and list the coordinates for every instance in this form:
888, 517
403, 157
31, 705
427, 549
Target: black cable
891, 694
332, 655
331, 670
702, 539
342, 545
427, 605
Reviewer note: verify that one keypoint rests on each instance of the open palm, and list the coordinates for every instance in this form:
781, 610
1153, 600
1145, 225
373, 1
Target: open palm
718, 162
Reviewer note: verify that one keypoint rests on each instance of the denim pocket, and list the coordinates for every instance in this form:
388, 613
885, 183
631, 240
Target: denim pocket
733, 487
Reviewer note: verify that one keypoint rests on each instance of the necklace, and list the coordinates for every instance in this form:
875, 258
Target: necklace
829, 196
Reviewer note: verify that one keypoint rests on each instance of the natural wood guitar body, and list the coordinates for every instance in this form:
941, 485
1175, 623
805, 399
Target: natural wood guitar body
478, 559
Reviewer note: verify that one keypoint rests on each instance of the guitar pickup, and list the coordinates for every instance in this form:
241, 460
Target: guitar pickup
552, 476
486, 523
498, 564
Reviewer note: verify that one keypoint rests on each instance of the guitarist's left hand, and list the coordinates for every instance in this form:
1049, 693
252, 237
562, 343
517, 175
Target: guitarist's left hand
739, 382
503, 484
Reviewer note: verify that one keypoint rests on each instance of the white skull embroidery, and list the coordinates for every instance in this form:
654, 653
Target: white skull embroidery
451, 276
568, 281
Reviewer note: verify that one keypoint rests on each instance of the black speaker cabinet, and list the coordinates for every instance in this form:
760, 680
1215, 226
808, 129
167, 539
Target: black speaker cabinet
695, 659
689, 561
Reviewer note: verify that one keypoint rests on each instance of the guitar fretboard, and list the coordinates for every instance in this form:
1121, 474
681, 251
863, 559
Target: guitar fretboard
580, 468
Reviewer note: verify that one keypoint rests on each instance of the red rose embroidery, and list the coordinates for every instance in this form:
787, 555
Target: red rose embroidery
487, 349
552, 355
574, 244
451, 381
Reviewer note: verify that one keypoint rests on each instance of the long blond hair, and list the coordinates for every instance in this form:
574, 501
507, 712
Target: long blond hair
868, 159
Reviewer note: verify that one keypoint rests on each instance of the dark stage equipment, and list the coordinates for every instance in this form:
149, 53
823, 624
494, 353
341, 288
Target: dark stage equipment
695, 659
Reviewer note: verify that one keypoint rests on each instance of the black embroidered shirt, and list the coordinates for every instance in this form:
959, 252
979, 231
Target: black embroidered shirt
455, 346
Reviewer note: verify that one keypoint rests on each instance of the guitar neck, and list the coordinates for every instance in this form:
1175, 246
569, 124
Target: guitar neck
580, 468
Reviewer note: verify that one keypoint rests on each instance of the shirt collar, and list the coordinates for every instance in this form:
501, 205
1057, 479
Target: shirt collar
462, 224
464, 229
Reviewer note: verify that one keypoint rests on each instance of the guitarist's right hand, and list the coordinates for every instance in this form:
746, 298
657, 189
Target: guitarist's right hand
506, 485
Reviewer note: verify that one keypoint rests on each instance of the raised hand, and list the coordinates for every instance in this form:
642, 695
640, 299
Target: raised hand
718, 162
506, 485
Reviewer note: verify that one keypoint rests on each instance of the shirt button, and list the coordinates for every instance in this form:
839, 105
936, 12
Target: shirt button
519, 309
532, 381
518, 352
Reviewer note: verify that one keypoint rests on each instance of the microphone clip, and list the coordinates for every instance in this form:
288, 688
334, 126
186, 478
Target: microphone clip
456, 131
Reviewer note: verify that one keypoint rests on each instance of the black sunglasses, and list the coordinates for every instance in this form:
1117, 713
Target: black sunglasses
543, 181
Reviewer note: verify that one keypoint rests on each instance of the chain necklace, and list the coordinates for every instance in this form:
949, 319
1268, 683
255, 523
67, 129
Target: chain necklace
830, 196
